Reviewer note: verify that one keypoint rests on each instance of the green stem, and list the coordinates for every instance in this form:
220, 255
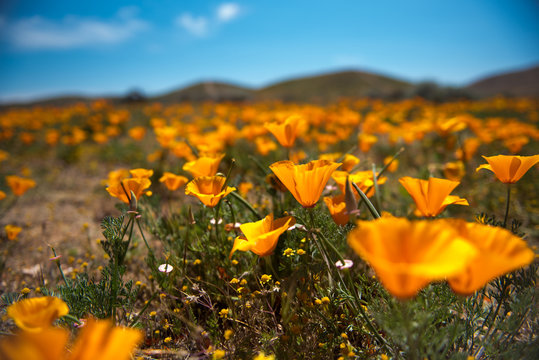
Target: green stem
507, 205
60, 268
134, 321
246, 204
376, 188
144, 238
364, 197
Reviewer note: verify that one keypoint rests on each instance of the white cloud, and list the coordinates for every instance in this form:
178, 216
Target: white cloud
37, 33
201, 26
228, 11
195, 25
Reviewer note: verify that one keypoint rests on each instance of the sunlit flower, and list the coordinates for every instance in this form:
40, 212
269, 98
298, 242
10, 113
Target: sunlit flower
204, 165
337, 208
286, 131
208, 189
432, 196
137, 132
406, 255
454, 170
366, 141
499, 252
141, 173
2, 195
37, 314
394, 164
261, 236
305, 182
509, 169
264, 145
244, 188
19, 185
363, 179
98, 340
137, 185
349, 162
173, 181
12, 231
48, 344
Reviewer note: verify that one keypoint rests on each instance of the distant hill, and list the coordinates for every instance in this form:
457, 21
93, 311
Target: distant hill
330, 87
216, 91
517, 83
323, 89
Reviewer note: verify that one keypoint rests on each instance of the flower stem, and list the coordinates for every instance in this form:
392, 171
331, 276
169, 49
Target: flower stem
246, 204
364, 197
507, 205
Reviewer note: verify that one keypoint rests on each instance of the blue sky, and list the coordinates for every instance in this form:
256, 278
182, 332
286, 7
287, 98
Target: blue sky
57, 47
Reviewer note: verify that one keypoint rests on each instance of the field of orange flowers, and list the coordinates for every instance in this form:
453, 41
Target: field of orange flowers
361, 229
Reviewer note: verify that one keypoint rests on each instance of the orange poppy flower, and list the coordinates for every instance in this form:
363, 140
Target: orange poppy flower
499, 252
12, 231
141, 173
432, 196
204, 165
305, 182
509, 169
366, 141
19, 185
137, 132
363, 179
208, 189
261, 236
407, 255
454, 170
337, 208
349, 162
137, 185
97, 340
37, 314
287, 131
173, 181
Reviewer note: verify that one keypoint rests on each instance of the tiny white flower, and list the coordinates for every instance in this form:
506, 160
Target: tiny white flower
165, 268
347, 264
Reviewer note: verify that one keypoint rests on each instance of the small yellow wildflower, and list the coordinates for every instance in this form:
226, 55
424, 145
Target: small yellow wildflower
234, 262
262, 356
344, 336
197, 262
265, 278
301, 252
325, 300
218, 354
162, 296
228, 334
153, 314
234, 281
318, 302
167, 340
25, 291
288, 252
243, 282
224, 313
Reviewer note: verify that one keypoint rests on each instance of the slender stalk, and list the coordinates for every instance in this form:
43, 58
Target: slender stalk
376, 188
364, 197
60, 268
507, 205
246, 204
134, 321
144, 238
